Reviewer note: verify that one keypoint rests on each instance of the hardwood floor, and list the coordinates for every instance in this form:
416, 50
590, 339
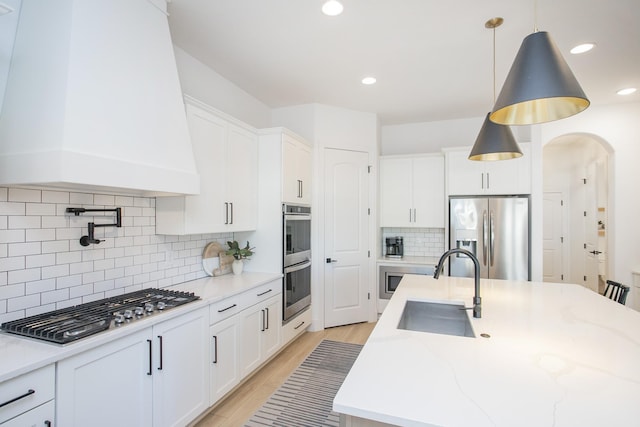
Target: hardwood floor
245, 400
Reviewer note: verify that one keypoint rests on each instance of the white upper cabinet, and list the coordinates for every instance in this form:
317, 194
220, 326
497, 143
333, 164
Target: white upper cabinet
296, 171
226, 154
412, 191
467, 177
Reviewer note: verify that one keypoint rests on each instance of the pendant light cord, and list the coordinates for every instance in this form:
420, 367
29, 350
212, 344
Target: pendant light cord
494, 65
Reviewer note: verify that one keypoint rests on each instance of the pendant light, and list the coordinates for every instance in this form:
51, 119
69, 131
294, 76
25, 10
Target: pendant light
540, 86
494, 142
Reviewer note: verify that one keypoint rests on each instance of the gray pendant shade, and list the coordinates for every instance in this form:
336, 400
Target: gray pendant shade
540, 86
494, 142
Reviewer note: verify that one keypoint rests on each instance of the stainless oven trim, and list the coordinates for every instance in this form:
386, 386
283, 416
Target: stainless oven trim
292, 310
297, 267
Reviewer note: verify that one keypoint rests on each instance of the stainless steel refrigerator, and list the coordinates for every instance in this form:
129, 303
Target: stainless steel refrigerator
496, 230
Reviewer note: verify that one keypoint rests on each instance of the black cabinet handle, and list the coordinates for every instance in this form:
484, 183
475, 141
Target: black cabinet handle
47, 423
264, 293
150, 356
215, 349
228, 308
22, 396
267, 317
263, 322
226, 213
160, 367
231, 213
301, 323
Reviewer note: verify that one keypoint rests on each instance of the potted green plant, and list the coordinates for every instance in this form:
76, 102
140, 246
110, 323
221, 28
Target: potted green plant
238, 254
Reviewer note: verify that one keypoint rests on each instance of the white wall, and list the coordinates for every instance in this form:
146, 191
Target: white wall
619, 126
206, 85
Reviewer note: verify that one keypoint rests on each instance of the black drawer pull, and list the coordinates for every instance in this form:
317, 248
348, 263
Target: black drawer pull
301, 323
265, 292
150, 372
28, 393
228, 308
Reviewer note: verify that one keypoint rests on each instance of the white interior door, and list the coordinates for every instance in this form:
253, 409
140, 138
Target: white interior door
552, 238
591, 252
345, 237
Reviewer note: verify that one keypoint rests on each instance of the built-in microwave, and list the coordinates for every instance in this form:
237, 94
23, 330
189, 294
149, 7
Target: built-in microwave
391, 275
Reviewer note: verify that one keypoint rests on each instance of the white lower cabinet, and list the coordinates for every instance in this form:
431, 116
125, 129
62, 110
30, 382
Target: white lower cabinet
260, 334
225, 357
27, 400
42, 416
153, 377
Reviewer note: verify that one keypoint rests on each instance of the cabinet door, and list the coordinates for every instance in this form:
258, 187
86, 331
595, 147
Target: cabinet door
181, 353
242, 179
225, 357
205, 212
305, 171
428, 192
396, 209
252, 324
510, 176
296, 171
270, 337
110, 385
290, 178
465, 177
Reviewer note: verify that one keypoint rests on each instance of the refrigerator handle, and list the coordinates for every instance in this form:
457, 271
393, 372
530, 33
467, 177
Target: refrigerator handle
485, 237
491, 242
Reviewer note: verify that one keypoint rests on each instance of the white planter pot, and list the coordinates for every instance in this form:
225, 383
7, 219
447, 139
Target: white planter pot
237, 266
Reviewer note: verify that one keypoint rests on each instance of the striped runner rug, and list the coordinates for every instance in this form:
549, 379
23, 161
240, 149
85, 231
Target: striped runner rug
306, 397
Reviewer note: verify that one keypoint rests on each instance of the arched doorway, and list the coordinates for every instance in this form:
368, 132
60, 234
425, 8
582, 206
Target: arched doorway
576, 208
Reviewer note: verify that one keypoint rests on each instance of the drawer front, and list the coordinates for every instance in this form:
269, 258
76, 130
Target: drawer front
42, 416
264, 292
20, 394
296, 326
228, 307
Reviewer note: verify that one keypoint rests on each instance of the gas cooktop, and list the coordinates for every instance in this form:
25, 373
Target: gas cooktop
73, 323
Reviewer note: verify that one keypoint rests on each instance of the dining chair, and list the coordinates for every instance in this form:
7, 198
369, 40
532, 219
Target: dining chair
616, 291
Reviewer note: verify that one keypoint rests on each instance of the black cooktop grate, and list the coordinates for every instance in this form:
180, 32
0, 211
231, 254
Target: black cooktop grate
80, 321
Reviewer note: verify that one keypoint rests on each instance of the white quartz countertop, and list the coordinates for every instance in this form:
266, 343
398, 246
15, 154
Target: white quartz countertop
19, 355
558, 355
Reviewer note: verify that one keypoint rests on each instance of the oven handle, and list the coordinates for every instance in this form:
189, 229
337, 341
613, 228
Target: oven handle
297, 267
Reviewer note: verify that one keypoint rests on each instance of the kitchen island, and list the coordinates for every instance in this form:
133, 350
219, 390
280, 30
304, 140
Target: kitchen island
554, 355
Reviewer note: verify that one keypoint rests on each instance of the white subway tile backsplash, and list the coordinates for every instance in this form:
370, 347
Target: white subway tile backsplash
23, 222
30, 248
40, 260
40, 209
22, 276
12, 208
24, 195
43, 266
55, 271
427, 242
40, 235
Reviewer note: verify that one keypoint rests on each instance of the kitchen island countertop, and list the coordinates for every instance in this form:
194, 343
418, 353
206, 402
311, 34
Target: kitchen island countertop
557, 355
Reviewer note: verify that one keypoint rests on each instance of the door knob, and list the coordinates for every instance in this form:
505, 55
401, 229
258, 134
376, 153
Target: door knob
329, 260
595, 252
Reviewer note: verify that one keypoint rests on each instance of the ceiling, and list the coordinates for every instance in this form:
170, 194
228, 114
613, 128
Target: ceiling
433, 60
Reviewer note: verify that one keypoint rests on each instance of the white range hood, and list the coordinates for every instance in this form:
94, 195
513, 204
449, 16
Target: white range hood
93, 101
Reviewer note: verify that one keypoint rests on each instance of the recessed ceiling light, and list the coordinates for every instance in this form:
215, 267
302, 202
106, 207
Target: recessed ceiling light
626, 91
332, 8
368, 80
582, 48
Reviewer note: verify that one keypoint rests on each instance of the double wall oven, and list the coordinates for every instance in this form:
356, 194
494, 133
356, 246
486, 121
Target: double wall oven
297, 259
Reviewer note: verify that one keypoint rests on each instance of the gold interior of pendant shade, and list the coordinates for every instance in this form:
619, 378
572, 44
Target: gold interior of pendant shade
540, 86
494, 142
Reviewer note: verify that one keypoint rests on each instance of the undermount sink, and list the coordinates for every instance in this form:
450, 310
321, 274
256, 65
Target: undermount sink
437, 318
